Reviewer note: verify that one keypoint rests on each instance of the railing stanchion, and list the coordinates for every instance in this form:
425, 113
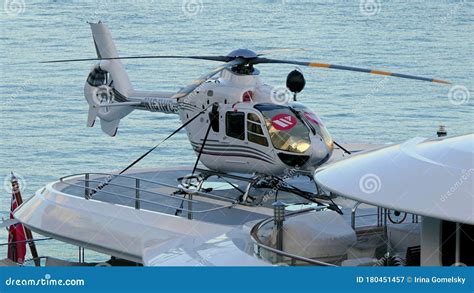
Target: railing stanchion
86, 186
353, 217
279, 218
190, 207
378, 217
81, 254
137, 193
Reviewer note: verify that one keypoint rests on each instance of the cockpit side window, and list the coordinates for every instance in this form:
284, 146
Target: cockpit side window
315, 122
235, 125
254, 130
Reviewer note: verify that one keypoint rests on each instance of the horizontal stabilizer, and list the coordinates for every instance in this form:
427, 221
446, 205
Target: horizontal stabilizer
92, 115
110, 127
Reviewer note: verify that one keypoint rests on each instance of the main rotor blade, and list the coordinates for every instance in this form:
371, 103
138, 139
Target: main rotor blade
348, 68
211, 58
191, 87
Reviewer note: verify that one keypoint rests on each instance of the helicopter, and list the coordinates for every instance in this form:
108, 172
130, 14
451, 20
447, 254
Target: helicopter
246, 126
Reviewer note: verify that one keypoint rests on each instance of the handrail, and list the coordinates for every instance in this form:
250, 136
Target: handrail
136, 199
23, 241
117, 175
62, 179
259, 243
382, 214
163, 205
133, 188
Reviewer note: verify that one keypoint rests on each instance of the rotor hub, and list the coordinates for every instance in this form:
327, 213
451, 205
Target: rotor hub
242, 53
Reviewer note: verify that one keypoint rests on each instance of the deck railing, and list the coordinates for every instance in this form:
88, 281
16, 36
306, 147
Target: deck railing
383, 216
94, 184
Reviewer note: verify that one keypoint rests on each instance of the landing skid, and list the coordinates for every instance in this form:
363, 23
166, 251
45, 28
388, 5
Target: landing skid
274, 183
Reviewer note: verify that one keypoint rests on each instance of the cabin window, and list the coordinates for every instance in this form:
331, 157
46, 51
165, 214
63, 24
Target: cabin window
235, 125
448, 243
254, 130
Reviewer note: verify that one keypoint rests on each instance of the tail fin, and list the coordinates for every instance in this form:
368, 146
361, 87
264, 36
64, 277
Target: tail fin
105, 48
107, 83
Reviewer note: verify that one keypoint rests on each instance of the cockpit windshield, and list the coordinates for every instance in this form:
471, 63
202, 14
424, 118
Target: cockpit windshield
287, 132
314, 122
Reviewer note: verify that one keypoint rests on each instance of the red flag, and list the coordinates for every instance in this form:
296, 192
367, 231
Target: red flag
16, 233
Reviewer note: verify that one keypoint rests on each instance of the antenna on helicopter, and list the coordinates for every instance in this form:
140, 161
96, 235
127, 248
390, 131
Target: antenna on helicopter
295, 82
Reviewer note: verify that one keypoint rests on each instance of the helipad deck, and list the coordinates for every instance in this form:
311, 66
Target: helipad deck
218, 202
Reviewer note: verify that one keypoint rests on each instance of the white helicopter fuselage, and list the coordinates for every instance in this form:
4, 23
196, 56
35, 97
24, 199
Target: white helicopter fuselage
247, 138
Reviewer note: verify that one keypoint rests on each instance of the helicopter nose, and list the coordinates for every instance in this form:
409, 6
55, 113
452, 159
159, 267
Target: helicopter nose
320, 152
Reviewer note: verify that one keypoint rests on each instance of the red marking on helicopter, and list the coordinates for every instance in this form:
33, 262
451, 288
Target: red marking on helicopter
247, 96
284, 122
313, 118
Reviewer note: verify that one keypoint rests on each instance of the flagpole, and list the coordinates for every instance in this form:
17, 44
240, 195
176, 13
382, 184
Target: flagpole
28, 234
